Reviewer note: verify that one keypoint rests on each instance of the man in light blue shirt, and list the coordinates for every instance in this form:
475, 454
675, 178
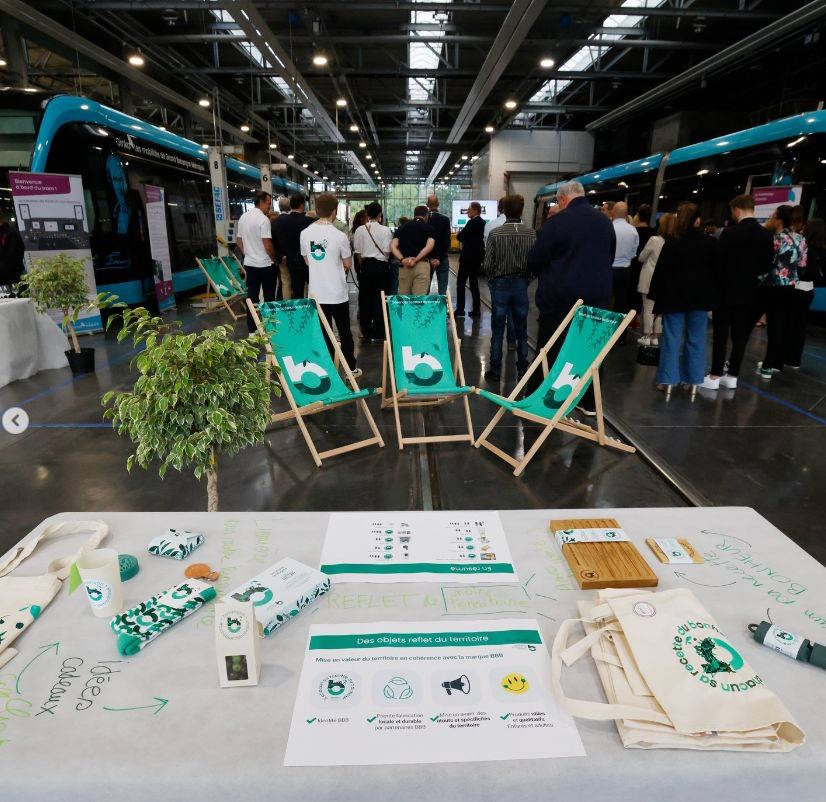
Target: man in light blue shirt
628, 241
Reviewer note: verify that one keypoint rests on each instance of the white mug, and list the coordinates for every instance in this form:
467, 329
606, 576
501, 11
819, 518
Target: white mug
100, 572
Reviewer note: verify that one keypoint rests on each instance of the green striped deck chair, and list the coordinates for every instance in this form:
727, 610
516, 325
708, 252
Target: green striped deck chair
418, 330
237, 274
590, 336
307, 373
219, 282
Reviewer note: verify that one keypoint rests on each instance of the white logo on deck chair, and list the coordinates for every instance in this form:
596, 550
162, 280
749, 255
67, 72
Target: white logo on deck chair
309, 376
566, 378
421, 369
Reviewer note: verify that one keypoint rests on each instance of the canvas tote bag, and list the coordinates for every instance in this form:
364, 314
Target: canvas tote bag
671, 676
22, 598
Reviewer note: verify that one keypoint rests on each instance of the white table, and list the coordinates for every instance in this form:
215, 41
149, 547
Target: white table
216, 744
29, 341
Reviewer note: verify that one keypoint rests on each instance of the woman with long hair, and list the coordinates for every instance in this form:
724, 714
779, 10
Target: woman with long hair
652, 327
683, 290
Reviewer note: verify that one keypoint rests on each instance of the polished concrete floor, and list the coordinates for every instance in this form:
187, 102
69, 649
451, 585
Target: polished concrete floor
758, 447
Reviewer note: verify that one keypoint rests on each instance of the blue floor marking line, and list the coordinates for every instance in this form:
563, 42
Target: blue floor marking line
782, 402
807, 351
69, 426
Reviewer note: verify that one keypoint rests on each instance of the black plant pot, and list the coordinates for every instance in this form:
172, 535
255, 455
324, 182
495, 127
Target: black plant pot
83, 362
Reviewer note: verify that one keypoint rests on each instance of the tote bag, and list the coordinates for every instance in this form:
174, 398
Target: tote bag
23, 598
672, 677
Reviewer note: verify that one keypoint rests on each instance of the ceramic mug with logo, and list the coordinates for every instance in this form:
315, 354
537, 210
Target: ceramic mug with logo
100, 572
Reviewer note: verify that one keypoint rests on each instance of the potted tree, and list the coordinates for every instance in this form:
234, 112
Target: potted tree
59, 282
197, 396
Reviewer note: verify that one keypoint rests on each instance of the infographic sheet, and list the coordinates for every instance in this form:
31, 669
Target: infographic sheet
425, 692
456, 546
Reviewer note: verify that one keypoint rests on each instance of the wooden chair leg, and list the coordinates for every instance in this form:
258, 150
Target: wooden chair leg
529, 455
371, 422
308, 439
496, 418
468, 417
601, 439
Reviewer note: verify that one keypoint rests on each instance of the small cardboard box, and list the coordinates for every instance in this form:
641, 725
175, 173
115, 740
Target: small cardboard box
236, 643
280, 592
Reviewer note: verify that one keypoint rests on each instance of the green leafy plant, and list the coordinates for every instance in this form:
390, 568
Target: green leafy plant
197, 396
59, 282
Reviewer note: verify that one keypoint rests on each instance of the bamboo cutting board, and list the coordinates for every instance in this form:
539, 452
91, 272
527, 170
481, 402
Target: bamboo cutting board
603, 564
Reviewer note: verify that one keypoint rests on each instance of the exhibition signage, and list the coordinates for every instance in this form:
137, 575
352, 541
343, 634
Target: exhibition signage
159, 246
459, 212
767, 199
463, 547
51, 218
424, 692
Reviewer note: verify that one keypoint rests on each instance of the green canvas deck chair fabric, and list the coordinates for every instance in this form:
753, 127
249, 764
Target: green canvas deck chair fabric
308, 375
218, 279
417, 359
236, 272
590, 336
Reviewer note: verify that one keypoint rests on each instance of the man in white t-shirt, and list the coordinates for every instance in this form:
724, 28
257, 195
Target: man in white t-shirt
253, 237
371, 243
326, 250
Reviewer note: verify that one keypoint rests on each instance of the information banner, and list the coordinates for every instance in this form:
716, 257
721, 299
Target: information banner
456, 546
767, 199
159, 246
51, 217
424, 692
459, 212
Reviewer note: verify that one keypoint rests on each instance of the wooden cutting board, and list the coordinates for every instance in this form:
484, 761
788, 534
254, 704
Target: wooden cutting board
604, 564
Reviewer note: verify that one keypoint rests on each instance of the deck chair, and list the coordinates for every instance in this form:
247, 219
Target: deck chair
307, 374
417, 359
237, 274
218, 279
591, 335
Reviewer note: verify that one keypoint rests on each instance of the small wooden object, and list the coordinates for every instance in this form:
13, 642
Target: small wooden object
664, 558
604, 564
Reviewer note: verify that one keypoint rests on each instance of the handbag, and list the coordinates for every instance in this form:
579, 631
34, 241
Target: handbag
672, 677
23, 598
648, 355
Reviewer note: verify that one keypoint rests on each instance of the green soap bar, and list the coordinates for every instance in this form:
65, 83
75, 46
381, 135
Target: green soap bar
128, 566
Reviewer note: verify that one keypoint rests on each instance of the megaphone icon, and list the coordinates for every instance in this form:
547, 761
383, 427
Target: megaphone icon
459, 684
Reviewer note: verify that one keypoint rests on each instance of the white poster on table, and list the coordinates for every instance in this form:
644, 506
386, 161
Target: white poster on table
159, 246
51, 218
459, 211
425, 692
457, 546
767, 199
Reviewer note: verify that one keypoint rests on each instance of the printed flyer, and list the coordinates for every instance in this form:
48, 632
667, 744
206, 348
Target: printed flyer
451, 546
445, 692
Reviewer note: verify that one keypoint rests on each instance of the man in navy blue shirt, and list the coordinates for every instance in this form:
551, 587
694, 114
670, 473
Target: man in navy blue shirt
573, 258
286, 233
472, 237
439, 262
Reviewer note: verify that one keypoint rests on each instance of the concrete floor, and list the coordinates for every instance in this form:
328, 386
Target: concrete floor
759, 448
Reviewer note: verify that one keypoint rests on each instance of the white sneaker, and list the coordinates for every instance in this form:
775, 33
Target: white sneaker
356, 372
729, 382
711, 384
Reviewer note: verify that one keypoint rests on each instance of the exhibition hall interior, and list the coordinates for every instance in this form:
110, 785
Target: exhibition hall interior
445, 381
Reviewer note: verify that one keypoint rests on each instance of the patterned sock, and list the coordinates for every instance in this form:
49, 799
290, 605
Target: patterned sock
140, 625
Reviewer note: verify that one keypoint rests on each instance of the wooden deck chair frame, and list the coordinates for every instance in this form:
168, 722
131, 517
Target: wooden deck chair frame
219, 301
596, 435
231, 275
399, 400
299, 413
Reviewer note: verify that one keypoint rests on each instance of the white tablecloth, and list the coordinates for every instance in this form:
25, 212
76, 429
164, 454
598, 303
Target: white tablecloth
29, 341
210, 743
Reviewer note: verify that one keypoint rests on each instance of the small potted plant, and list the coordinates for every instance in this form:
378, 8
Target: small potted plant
198, 396
59, 282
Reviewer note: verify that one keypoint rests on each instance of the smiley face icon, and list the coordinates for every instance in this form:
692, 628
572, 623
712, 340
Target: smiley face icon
515, 683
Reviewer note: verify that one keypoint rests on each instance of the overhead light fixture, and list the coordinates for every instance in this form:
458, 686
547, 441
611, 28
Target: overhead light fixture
319, 59
341, 103
204, 103
324, 178
30, 89
369, 157
362, 144
84, 106
305, 165
794, 142
204, 146
136, 59
291, 157
354, 129
103, 132
546, 63
702, 172
2, 62
489, 129
161, 128
245, 128
474, 158
510, 104
273, 146
464, 158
